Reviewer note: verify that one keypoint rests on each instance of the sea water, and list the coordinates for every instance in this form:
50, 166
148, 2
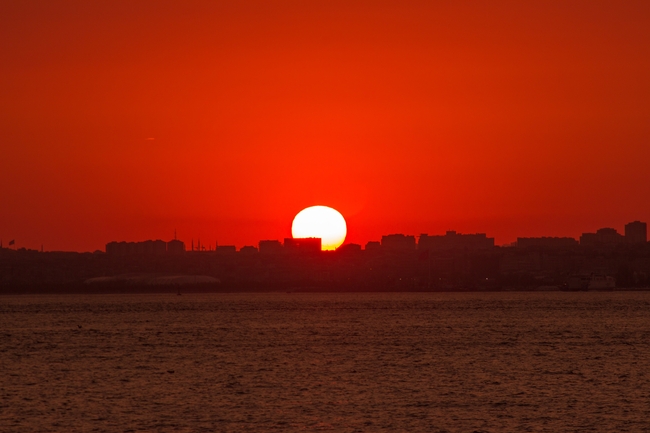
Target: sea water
471, 362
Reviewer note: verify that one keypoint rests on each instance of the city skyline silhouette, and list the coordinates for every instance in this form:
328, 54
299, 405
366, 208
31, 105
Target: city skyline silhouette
635, 230
451, 262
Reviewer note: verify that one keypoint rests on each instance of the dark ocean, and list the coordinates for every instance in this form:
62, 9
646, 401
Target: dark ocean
413, 362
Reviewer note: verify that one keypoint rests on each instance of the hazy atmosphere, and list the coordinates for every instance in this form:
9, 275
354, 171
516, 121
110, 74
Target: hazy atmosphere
125, 120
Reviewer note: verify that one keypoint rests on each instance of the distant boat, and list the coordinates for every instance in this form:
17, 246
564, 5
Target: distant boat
590, 282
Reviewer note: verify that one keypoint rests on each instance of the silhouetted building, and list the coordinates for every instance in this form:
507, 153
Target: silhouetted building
248, 249
398, 242
602, 237
589, 239
349, 248
175, 246
226, 249
114, 248
547, 243
270, 247
141, 248
303, 245
155, 247
455, 241
373, 246
636, 232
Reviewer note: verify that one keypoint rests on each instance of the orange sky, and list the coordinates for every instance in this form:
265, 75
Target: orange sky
510, 118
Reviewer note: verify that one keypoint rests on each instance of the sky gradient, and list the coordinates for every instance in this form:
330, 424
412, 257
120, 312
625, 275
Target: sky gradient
127, 120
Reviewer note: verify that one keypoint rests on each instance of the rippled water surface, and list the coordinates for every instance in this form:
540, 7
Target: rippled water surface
487, 362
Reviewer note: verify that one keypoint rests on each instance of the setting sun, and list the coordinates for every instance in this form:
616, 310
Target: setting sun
320, 222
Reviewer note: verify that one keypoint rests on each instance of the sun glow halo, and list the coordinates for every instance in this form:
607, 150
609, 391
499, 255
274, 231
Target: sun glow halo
320, 222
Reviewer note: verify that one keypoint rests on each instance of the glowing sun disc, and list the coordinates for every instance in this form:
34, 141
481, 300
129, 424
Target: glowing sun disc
320, 222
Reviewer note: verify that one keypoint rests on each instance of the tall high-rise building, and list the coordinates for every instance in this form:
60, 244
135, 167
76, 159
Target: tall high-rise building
636, 232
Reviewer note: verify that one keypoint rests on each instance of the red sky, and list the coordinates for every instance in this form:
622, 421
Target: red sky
510, 118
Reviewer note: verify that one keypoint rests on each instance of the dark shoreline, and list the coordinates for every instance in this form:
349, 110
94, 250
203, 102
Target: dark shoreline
119, 289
